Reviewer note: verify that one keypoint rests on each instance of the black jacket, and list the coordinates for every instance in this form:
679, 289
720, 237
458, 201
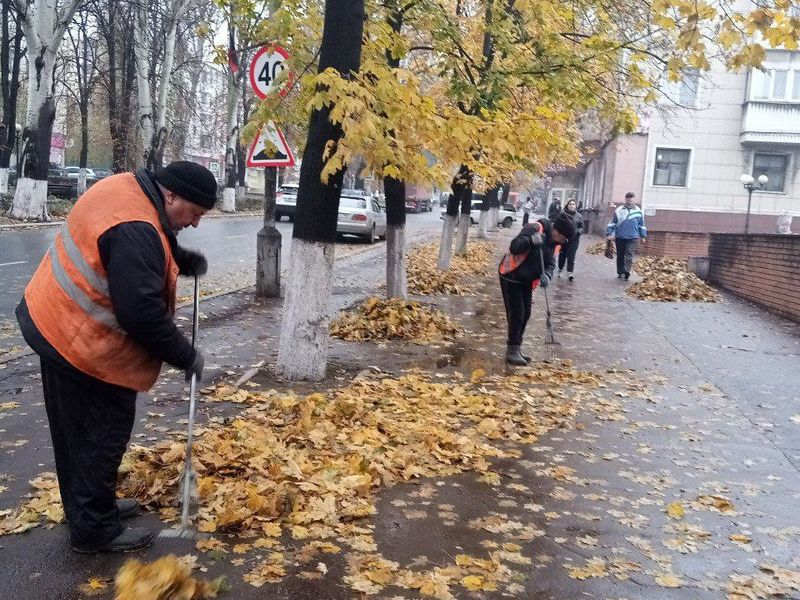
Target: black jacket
134, 260
577, 218
531, 267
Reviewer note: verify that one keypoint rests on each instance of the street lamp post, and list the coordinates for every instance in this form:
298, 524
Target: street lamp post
750, 184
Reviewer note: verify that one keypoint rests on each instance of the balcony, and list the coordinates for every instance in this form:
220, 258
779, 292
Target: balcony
771, 122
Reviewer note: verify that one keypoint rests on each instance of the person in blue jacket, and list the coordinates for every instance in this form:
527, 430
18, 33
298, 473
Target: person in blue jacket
627, 228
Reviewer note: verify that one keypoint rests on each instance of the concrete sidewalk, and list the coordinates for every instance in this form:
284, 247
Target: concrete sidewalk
678, 484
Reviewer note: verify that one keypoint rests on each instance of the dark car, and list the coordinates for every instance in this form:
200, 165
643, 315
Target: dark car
60, 184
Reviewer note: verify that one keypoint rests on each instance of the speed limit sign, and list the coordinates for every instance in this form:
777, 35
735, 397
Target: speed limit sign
266, 67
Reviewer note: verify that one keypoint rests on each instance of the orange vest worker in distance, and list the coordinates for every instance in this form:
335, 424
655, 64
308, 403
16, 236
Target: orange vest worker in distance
521, 270
99, 312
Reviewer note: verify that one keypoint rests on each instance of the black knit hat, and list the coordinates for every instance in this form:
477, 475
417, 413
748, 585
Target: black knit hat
565, 225
190, 181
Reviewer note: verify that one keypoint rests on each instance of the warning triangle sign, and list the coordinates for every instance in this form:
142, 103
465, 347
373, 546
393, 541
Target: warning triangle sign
270, 149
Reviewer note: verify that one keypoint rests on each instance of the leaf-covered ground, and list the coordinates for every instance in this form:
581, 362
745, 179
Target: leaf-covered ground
658, 462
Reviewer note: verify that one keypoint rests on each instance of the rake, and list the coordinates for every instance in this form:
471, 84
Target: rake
185, 531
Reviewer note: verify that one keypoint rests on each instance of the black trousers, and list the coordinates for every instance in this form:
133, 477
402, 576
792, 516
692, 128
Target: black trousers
525, 218
626, 249
567, 254
90, 425
517, 298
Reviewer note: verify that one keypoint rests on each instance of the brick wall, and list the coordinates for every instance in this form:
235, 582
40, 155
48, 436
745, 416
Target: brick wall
762, 268
670, 244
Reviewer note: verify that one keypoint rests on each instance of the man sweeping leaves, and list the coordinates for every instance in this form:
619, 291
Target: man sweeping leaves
99, 313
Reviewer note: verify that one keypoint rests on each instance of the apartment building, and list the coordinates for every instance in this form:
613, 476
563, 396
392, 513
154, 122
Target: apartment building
686, 161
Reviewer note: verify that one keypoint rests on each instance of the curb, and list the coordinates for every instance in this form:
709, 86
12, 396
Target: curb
48, 224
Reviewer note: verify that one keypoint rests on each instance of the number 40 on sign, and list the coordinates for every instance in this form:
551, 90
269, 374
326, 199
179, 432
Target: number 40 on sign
265, 70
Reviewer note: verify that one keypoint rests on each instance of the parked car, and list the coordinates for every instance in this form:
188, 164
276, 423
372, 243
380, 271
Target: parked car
286, 201
361, 216
102, 173
418, 205
73, 172
60, 184
505, 217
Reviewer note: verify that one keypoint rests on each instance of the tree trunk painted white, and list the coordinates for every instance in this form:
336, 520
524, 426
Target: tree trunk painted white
302, 348
462, 234
30, 200
81, 180
4, 181
493, 213
446, 243
44, 26
146, 116
166, 67
482, 220
229, 194
228, 200
396, 278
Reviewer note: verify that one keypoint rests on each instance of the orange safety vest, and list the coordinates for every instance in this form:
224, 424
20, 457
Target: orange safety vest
68, 297
510, 262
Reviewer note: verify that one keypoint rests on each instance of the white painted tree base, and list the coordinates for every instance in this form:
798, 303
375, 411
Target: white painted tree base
30, 200
240, 192
3, 181
81, 180
303, 345
228, 200
396, 278
446, 243
482, 220
493, 212
462, 235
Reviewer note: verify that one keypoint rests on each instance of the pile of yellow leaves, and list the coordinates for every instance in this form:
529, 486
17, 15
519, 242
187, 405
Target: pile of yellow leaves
311, 466
45, 503
668, 280
393, 319
425, 278
167, 578
598, 248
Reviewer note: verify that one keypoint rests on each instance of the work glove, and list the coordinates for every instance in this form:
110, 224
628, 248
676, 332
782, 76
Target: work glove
536, 239
196, 368
193, 263
544, 281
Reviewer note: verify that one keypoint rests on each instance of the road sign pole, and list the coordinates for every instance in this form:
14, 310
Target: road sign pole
265, 70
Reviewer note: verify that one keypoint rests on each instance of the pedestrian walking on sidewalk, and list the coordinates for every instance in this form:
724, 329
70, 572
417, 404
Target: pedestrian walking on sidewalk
526, 211
99, 313
554, 210
627, 228
566, 255
521, 272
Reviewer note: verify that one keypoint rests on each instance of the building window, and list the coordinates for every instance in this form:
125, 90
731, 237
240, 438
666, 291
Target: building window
683, 92
672, 167
774, 167
779, 85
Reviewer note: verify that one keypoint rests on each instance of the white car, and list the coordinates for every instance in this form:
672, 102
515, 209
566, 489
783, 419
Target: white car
73, 172
286, 201
361, 216
506, 215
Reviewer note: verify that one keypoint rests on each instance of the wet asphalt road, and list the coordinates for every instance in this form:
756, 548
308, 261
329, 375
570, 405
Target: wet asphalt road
229, 244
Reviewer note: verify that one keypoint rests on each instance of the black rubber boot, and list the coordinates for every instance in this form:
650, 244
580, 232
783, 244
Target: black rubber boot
513, 357
128, 507
131, 538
